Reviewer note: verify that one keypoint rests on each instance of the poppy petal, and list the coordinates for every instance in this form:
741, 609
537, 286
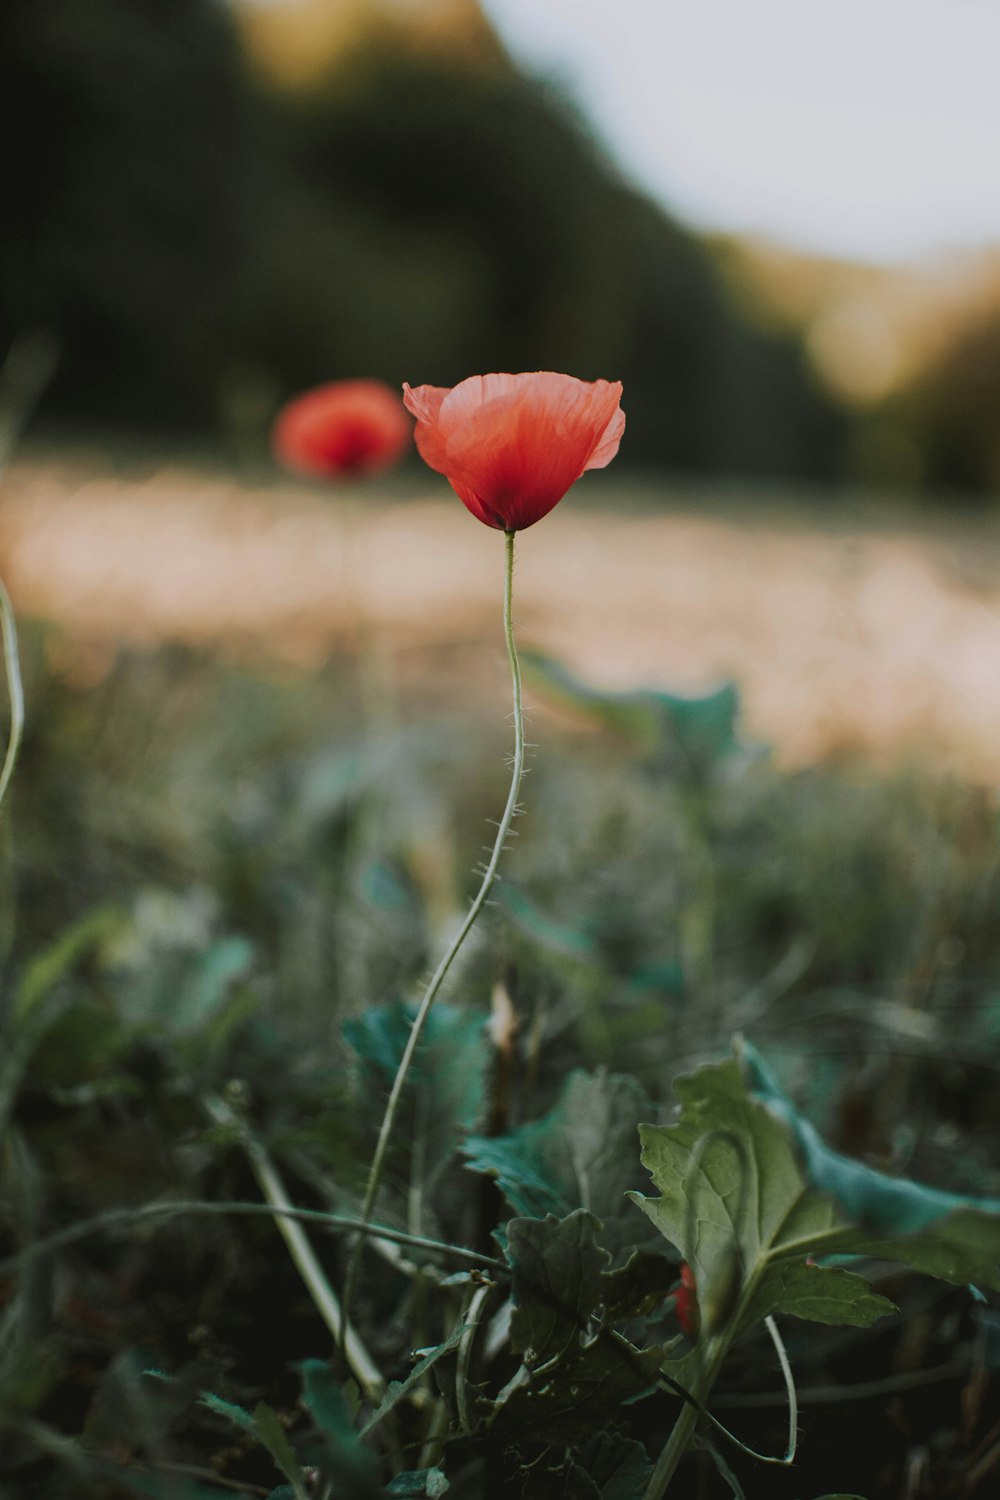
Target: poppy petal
512, 445
346, 427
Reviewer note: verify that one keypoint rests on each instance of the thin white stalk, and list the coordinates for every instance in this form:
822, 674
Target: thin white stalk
15, 688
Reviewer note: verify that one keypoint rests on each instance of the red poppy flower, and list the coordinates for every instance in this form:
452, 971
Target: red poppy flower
511, 446
685, 1300
345, 428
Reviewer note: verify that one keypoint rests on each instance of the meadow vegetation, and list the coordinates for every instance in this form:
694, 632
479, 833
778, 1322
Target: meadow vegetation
221, 890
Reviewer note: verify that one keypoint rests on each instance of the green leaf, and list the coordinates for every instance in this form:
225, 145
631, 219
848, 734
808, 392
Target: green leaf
580, 1155
948, 1235
557, 1285
735, 1203
638, 1288
820, 1294
749, 1191
544, 930
352, 1466
871, 1198
39, 1005
60, 957
416, 1483
238, 1415
617, 1467
702, 728
445, 1088
209, 983
722, 1467
264, 1425
399, 1388
272, 1434
576, 1369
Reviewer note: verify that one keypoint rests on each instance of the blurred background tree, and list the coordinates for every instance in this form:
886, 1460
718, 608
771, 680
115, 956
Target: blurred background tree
205, 233
212, 206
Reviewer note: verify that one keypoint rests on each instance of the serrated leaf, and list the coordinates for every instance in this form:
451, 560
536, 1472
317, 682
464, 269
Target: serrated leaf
263, 1424
397, 1389
557, 1286
821, 1294
577, 1370
734, 1202
238, 1415
618, 1467
743, 1174
275, 1439
581, 1394
580, 1155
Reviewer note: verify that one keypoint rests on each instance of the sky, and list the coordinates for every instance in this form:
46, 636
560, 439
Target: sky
868, 129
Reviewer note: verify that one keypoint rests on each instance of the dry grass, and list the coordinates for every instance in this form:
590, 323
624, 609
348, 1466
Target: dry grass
846, 631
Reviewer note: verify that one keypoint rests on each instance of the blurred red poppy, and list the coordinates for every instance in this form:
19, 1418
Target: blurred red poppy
511, 446
685, 1300
345, 428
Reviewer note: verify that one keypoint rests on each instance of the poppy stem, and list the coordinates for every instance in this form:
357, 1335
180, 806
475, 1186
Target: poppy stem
438, 977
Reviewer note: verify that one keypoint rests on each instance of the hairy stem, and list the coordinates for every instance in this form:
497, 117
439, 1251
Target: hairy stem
438, 977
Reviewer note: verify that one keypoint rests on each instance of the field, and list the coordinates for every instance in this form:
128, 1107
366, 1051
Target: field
850, 624
267, 728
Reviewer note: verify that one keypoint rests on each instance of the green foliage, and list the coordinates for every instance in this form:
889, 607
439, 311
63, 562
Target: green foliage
444, 1092
737, 1207
662, 726
949, 1235
264, 1425
580, 1155
267, 873
397, 1389
351, 1468
41, 1004
748, 1193
576, 1369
